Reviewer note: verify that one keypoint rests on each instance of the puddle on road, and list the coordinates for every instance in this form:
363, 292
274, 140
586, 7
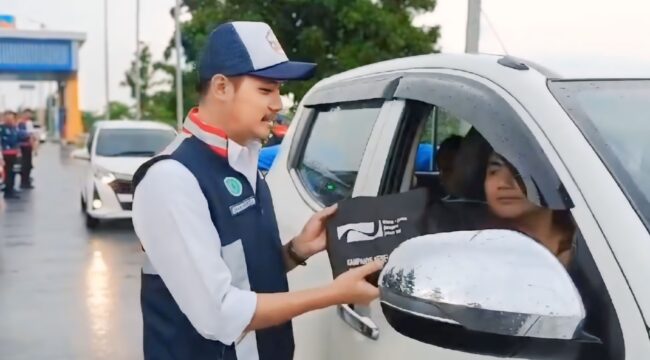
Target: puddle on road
99, 303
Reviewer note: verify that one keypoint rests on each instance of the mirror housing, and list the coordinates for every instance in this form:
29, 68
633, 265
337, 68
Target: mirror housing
498, 285
80, 154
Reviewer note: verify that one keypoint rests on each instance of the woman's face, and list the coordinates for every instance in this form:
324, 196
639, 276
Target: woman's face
504, 195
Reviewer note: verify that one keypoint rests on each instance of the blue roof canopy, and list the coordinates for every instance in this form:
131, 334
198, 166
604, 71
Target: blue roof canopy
27, 54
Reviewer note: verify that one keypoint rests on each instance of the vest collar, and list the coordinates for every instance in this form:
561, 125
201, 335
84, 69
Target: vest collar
214, 137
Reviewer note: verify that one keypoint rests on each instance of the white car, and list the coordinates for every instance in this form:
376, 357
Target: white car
115, 150
578, 144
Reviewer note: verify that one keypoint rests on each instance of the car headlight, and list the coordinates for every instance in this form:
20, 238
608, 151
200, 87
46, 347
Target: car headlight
104, 175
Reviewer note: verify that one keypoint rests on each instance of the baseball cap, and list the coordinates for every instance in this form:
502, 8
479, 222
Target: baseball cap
249, 48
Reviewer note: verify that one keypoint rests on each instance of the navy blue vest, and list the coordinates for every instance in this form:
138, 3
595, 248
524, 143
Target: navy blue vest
168, 334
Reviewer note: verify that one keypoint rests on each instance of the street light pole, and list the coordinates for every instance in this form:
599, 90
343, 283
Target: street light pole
42, 26
179, 73
473, 26
106, 75
138, 80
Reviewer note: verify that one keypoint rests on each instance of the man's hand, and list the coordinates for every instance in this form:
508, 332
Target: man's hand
312, 238
351, 287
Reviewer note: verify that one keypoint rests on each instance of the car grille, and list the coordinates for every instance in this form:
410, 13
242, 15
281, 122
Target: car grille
121, 186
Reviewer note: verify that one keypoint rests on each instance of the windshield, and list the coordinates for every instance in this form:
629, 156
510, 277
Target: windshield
133, 142
614, 115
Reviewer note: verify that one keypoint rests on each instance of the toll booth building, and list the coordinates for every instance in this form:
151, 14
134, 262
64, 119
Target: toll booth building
27, 55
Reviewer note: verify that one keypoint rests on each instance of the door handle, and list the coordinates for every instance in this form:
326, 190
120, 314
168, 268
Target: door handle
361, 324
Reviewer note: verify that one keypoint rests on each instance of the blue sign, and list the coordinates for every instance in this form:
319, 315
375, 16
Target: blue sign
35, 55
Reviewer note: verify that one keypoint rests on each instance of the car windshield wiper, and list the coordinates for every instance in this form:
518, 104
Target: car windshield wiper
132, 153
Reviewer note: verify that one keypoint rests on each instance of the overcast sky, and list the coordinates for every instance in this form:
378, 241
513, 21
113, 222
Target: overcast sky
573, 37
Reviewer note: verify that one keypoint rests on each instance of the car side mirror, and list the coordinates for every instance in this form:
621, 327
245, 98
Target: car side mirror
495, 292
80, 154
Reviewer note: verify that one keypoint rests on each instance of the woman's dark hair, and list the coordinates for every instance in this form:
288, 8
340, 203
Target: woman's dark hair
470, 164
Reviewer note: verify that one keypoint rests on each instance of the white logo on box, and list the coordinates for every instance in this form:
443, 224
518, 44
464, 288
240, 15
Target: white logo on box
367, 231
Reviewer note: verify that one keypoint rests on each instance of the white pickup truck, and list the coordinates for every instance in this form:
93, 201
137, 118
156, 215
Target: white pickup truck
579, 144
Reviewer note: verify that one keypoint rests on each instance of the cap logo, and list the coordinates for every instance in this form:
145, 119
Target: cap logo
275, 44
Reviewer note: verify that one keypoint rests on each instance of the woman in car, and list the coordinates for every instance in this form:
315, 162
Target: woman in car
506, 198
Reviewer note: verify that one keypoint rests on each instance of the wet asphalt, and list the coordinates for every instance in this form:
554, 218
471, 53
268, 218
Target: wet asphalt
65, 292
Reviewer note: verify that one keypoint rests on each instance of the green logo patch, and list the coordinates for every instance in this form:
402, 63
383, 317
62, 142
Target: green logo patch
233, 185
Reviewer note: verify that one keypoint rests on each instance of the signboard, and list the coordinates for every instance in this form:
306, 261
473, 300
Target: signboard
35, 55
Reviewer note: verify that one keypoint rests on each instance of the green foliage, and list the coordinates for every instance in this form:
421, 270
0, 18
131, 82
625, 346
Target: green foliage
119, 111
146, 73
163, 103
88, 118
156, 99
447, 125
338, 35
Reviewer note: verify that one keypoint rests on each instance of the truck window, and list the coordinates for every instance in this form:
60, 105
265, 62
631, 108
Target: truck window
440, 126
439, 142
334, 147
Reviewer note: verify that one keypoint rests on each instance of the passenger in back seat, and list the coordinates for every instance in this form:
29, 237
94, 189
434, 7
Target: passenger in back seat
464, 208
466, 181
445, 157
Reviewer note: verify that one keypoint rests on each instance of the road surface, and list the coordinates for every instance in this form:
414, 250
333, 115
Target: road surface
65, 292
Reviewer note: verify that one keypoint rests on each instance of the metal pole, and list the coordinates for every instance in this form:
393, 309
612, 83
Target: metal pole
106, 74
473, 26
138, 80
179, 73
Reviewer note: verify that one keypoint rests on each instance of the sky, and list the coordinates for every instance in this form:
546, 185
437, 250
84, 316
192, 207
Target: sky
572, 37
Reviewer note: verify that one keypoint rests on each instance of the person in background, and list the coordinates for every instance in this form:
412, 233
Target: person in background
2, 167
445, 161
26, 126
10, 137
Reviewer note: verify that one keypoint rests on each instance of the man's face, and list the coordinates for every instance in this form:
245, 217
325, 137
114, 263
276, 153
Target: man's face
9, 119
253, 108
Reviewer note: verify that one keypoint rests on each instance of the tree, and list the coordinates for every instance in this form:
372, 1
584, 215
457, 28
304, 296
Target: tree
409, 283
89, 118
150, 102
399, 279
336, 34
118, 110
